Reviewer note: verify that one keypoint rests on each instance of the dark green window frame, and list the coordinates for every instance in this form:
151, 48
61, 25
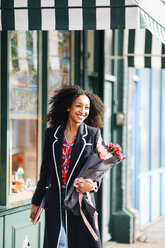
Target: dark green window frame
4, 124
4, 106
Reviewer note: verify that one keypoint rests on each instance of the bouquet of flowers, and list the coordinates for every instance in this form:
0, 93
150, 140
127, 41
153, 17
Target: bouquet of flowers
109, 151
97, 164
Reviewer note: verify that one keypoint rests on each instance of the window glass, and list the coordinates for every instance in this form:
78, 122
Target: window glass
163, 117
23, 113
58, 60
144, 120
155, 119
91, 47
108, 51
108, 112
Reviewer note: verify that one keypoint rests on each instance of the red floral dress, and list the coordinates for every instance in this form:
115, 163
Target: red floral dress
66, 155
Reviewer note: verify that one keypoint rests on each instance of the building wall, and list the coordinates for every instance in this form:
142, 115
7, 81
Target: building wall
104, 77
146, 138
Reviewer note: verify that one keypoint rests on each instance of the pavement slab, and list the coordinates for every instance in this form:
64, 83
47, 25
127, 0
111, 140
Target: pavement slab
152, 236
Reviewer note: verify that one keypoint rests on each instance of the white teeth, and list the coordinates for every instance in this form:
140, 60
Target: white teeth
81, 116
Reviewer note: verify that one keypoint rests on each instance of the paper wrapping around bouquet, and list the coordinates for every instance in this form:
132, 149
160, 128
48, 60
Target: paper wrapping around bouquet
95, 169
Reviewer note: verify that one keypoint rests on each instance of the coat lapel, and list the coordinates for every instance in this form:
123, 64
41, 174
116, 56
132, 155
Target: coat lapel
57, 150
78, 149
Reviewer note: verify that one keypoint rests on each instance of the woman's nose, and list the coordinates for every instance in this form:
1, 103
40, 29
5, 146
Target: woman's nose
82, 110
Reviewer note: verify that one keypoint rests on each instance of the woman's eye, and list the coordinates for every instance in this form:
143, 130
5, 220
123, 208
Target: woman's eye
78, 106
86, 107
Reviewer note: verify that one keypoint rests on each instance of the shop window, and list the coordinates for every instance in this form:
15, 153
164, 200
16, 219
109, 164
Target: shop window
91, 47
23, 114
108, 52
143, 120
155, 119
163, 123
58, 60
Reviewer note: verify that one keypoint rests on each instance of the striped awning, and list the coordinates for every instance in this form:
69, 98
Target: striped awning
67, 14
142, 49
81, 15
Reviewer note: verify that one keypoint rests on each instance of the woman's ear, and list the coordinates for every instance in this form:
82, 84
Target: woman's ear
68, 109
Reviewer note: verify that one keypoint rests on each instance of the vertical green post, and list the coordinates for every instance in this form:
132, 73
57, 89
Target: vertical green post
123, 220
77, 57
99, 67
4, 124
44, 79
85, 60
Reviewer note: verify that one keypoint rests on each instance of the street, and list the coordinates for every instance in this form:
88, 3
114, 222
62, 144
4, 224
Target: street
150, 237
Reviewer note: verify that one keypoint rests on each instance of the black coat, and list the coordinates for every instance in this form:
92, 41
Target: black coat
77, 233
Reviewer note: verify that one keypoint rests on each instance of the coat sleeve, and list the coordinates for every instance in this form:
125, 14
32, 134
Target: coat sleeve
44, 172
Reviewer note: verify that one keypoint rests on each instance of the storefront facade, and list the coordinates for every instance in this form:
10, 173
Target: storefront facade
33, 65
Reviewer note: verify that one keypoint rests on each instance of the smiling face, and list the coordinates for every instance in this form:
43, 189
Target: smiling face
79, 109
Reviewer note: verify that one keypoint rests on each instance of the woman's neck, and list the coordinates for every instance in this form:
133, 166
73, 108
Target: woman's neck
71, 126
70, 131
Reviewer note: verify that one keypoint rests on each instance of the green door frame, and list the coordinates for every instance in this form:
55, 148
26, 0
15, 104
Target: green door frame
109, 82
95, 79
4, 123
123, 220
83, 78
43, 80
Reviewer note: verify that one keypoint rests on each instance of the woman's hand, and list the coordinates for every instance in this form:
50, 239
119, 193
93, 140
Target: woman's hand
33, 212
84, 186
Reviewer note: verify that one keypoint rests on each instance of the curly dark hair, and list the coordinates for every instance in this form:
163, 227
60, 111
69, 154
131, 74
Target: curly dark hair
63, 99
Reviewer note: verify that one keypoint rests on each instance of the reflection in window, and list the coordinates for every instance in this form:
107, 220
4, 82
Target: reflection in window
108, 51
143, 122
91, 47
23, 113
59, 60
155, 119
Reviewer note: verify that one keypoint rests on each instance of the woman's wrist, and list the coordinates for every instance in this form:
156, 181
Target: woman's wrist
93, 185
85, 185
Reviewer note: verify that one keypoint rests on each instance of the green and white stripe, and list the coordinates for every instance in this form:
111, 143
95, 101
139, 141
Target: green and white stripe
80, 15
142, 49
67, 14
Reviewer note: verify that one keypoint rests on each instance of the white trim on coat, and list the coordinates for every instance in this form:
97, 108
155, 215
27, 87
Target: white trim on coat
86, 133
79, 156
56, 139
55, 165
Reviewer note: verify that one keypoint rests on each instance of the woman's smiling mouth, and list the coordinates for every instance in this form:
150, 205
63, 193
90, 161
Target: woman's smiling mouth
81, 117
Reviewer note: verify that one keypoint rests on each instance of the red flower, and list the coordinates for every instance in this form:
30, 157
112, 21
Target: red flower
111, 149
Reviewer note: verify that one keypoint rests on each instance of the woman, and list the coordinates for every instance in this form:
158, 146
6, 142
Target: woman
74, 118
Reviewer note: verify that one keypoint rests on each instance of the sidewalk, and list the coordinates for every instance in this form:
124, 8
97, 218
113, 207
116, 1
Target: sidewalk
150, 237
